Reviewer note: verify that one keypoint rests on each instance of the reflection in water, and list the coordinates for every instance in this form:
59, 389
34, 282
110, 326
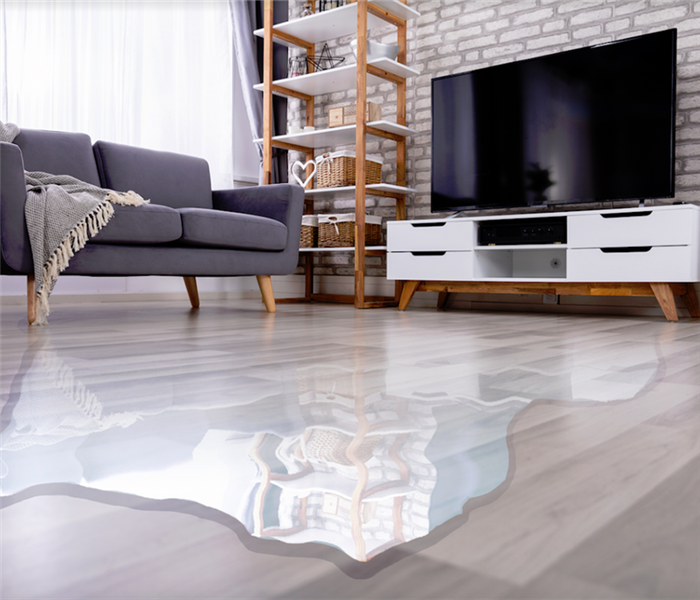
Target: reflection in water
359, 458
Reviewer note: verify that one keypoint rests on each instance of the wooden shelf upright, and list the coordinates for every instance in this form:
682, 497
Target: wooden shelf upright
305, 33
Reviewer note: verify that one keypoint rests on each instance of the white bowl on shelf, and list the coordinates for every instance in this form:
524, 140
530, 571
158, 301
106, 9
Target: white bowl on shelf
376, 50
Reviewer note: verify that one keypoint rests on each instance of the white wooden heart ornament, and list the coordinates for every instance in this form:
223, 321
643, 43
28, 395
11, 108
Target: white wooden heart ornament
303, 169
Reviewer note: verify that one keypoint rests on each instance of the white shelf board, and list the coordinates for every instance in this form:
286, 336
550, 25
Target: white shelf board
380, 187
338, 22
339, 79
344, 249
524, 247
336, 136
515, 280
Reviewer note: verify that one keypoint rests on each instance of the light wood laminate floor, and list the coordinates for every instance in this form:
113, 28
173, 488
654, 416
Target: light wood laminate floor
572, 443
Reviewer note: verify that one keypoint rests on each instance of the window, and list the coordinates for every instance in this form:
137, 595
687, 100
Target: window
143, 72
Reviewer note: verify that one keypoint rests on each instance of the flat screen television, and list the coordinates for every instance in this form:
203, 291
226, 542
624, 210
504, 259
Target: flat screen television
586, 125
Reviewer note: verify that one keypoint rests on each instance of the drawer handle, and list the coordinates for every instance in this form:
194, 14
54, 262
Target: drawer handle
428, 253
428, 224
626, 249
644, 213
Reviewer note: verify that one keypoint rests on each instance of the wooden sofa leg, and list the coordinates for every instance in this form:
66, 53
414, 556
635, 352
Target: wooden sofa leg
31, 299
191, 285
265, 283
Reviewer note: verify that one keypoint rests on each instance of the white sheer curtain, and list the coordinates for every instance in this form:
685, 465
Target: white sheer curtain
156, 74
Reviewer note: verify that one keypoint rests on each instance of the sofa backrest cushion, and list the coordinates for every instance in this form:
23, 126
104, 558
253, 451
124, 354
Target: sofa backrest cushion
174, 180
58, 153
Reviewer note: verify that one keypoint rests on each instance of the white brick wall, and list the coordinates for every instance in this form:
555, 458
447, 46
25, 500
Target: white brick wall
453, 36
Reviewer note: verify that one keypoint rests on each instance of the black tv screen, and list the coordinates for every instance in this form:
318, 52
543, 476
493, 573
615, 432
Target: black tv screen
591, 124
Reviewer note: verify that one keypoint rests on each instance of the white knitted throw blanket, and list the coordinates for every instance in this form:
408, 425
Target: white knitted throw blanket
8, 131
62, 213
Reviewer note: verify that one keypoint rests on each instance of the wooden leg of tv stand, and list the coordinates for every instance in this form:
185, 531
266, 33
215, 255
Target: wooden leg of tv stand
664, 295
691, 301
442, 299
409, 288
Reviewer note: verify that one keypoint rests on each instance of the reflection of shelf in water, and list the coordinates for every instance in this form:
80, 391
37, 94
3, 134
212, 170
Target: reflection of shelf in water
399, 426
342, 486
316, 481
389, 492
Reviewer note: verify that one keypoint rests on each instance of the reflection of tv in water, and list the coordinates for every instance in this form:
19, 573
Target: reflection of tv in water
586, 125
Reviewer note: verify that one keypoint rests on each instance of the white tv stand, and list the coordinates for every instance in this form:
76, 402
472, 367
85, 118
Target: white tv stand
644, 251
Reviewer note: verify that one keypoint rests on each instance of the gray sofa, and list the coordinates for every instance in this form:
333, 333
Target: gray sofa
187, 230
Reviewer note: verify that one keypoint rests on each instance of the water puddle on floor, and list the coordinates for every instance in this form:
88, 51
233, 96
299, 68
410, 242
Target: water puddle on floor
359, 457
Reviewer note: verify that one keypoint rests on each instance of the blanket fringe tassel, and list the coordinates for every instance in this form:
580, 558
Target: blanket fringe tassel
59, 259
130, 198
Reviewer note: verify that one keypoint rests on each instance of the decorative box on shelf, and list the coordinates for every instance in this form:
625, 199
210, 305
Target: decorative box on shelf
337, 231
347, 115
337, 169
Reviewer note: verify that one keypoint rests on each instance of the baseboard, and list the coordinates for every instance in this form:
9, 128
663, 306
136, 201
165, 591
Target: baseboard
63, 299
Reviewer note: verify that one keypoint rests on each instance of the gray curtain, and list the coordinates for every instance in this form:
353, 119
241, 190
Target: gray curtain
247, 16
243, 20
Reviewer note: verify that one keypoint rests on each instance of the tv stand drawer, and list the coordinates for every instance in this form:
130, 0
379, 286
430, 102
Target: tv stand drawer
632, 228
637, 263
430, 235
430, 265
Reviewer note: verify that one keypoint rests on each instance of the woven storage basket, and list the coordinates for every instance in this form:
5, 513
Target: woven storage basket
337, 231
337, 169
309, 231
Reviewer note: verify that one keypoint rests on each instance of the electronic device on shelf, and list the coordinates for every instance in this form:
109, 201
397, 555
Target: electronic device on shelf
586, 125
516, 232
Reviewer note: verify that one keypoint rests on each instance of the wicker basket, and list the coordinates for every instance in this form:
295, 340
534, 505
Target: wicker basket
338, 231
337, 169
309, 231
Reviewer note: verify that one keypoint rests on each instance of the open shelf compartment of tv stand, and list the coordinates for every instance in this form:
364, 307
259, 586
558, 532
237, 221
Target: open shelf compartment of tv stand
652, 251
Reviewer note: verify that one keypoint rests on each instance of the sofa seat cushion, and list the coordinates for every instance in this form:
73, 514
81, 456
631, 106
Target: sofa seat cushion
146, 224
223, 229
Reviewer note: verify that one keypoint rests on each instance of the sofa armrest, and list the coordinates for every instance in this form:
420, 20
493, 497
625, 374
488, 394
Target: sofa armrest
282, 201
279, 201
14, 240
